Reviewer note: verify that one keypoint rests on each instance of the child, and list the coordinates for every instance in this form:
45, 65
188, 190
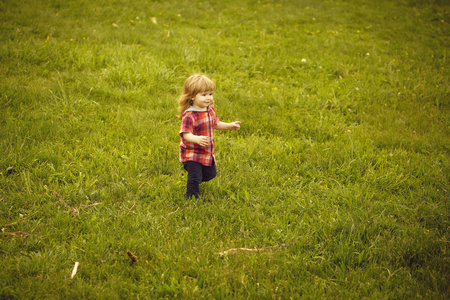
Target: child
198, 122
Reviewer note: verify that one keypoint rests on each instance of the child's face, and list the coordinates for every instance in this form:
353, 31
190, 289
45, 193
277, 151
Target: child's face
203, 100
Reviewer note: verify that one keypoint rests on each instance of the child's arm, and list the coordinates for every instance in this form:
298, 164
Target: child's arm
197, 139
229, 126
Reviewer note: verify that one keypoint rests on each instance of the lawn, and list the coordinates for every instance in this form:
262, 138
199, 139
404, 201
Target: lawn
337, 183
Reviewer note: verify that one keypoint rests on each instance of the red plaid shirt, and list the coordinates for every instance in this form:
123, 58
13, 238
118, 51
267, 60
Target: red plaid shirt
198, 123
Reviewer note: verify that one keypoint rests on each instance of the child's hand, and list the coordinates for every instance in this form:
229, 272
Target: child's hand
235, 125
202, 140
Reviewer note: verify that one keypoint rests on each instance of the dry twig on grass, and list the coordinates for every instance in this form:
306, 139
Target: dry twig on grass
173, 212
248, 250
75, 269
73, 210
10, 224
130, 209
142, 184
16, 233
131, 256
91, 205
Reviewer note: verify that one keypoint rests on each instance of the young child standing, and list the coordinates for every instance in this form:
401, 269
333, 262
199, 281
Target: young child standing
198, 121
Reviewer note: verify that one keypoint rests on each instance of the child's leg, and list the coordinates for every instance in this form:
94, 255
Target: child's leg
209, 172
194, 179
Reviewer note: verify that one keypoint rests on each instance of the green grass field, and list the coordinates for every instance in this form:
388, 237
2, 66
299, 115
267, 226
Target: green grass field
339, 174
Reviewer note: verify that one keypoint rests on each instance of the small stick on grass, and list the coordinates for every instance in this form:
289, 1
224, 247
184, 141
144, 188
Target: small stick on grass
142, 184
73, 210
17, 233
173, 211
91, 205
129, 210
234, 250
248, 250
10, 224
131, 256
75, 269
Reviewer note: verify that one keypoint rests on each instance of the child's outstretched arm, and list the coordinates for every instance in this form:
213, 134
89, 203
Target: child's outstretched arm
197, 139
229, 126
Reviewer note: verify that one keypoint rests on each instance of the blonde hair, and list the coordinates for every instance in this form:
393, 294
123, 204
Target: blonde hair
192, 86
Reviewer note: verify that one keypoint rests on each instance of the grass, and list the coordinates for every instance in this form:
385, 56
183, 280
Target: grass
343, 153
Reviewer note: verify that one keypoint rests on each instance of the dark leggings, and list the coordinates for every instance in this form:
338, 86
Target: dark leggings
197, 173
